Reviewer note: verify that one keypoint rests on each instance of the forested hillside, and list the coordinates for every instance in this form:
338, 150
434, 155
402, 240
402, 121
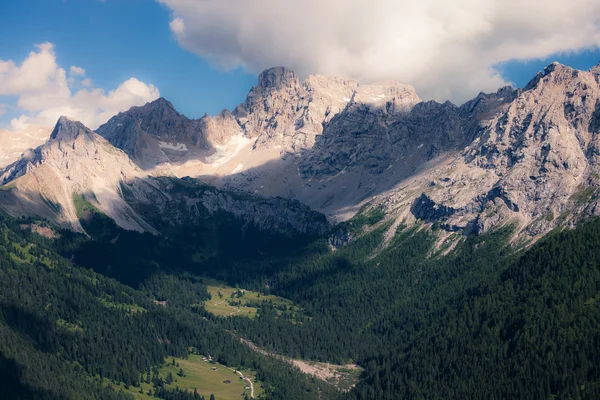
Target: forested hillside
485, 321
65, 330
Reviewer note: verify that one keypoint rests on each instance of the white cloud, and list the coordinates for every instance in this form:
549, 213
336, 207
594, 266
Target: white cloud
177, 25
43, 92
446, 49
77, 71
19, 124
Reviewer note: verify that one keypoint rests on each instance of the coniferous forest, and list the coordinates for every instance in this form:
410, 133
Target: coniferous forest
487, 320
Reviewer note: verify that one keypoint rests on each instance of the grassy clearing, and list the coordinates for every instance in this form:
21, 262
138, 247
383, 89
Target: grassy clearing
68, 326
228, 301
22, 254
83, 207
584, 195
199, 375
128, 308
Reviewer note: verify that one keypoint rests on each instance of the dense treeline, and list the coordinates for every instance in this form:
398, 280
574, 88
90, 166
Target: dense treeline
352, 298
484, 321
65, 330
530, 330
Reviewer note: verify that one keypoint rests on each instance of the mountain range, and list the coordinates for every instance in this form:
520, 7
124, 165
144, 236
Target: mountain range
294, 150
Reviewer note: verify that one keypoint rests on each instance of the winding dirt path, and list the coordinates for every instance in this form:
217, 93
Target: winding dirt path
246, 379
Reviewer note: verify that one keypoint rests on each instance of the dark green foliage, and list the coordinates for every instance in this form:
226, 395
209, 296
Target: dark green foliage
483, 322
526, 329
59, 336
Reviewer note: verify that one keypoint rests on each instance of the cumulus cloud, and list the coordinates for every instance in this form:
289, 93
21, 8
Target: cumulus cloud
19, 124
77, 71
43, 92
446, 49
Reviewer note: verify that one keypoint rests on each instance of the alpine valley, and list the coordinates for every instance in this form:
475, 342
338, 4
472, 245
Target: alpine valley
323, 240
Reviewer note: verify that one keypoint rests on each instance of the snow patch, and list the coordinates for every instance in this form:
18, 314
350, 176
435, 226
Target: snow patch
237, 169
176, 146
226, 152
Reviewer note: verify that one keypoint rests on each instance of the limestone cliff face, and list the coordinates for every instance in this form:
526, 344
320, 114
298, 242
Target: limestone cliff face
172, 202
76, 162
534, 164
276, 143
527, 156
282, 111
155, 134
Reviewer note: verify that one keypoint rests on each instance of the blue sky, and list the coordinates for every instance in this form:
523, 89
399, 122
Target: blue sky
118, 39
114, 40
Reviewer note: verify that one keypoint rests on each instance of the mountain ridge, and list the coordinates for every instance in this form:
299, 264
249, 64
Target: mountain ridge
523, 156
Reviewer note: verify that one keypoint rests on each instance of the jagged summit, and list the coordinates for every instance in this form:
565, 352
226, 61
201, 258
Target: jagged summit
67, 129
161, 102
159, 105
277, 77
335, 144
74, 162
553, 71
154, 133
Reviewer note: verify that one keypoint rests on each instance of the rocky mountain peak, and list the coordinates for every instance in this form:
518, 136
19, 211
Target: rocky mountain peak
78, 165
277, 78
66, 129
553, 73
161, 106
154, 133
515, 154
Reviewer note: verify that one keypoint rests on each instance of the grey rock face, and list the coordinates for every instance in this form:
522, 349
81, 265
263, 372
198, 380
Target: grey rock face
373, 138
154, 134
528, 157
426, 209
282, 111
74, 161
175, 202
77, 162
534, 164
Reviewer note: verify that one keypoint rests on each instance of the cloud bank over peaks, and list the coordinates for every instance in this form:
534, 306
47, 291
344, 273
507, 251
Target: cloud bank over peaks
446, 49
41, 91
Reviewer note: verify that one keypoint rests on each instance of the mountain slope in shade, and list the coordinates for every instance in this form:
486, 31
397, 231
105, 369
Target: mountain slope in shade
154, 134
78, 168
